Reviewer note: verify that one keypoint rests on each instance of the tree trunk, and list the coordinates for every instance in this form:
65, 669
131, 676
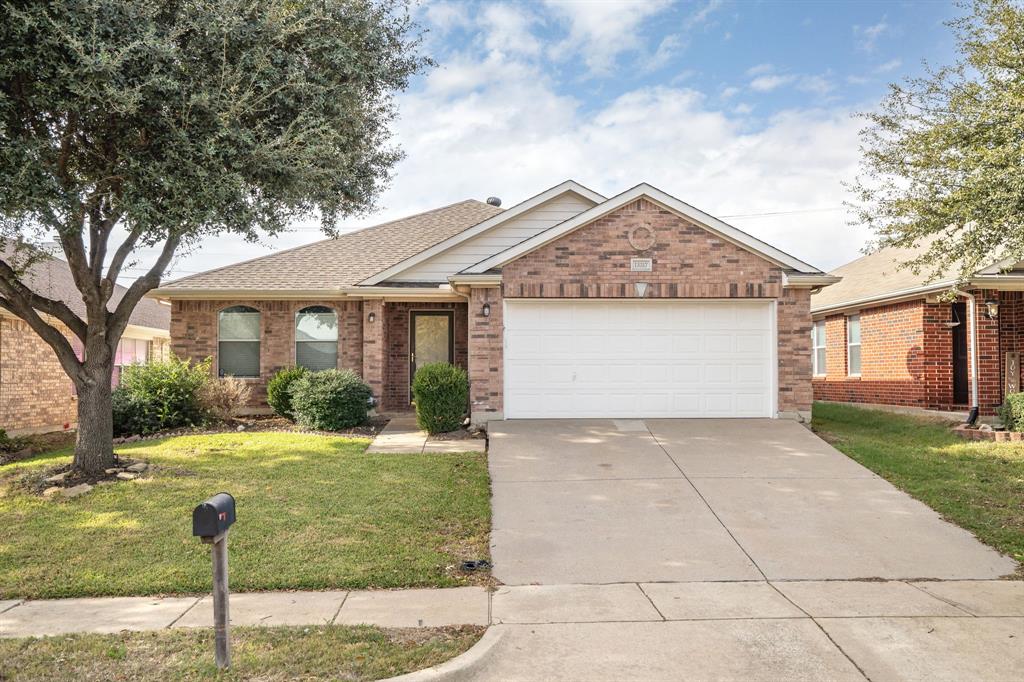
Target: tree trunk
94, 447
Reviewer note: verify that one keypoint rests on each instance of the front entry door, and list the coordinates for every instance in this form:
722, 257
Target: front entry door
960, 354
432, 339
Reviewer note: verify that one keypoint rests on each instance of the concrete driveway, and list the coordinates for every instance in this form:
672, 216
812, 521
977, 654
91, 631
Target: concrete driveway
609, 501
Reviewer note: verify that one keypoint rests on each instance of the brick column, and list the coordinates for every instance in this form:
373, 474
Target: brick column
374, 348
794, 355
990, 380
486, 350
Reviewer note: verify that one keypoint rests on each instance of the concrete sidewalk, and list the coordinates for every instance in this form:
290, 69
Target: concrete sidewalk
386, 608
402, 436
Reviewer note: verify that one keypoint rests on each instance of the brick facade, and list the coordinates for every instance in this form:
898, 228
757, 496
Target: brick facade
378, 351
907, 354
194, 334
688, 262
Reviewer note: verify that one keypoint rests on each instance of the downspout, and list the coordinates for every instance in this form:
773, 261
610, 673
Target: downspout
972, 350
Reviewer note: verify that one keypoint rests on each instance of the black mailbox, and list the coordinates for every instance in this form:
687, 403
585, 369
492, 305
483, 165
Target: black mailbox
213, 517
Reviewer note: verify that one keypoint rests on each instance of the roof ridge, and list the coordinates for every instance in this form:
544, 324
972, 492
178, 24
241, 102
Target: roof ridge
321, 241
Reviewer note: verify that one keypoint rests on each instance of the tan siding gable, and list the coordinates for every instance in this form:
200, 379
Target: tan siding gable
502, 236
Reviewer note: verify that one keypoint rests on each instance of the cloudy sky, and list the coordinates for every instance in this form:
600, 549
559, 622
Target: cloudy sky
743, 109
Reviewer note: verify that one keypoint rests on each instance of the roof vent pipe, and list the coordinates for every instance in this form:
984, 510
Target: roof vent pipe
494, 201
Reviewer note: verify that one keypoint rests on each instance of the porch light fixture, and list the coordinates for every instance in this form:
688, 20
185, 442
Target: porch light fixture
641, 289
991, 308
486, 310
371, 317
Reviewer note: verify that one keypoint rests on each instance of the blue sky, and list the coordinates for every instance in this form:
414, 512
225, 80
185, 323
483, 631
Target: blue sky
743, 109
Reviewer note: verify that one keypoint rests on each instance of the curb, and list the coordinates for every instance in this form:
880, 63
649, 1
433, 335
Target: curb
462, 667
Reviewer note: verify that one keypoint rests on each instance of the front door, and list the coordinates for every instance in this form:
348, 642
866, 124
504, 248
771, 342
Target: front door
959, 313
432, 339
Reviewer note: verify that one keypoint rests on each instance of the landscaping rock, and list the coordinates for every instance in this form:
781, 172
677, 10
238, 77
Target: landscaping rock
58, 478
137, 468
24, 452
126, 476
241, 427
113, 470
75, 491
50, 492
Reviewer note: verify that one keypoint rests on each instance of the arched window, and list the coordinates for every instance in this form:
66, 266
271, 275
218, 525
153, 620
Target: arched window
316, 338
238, 350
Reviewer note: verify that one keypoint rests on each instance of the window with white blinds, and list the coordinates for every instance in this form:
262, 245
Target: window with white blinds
316, 338
238, 348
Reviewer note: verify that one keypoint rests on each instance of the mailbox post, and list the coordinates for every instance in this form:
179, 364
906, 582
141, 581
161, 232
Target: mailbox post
211, 521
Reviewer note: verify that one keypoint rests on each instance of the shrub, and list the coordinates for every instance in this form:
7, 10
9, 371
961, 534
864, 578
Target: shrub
441, 394
279, 395
221, 396
330, 400
1011, 412
161, 395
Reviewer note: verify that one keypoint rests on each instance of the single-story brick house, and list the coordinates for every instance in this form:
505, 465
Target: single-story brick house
884, 335
569, 304
36, 396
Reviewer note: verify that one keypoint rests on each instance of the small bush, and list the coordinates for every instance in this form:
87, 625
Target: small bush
330, 400
441, 394
1011, 412
161, 395
221, 396
279, 395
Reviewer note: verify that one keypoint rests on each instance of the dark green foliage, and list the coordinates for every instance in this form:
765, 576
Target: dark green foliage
160, 395
331, 400
279, 395
441, 394
1011, 412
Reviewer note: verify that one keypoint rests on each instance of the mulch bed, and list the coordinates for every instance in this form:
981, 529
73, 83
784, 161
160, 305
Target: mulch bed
24, 447
258, 423
997, 436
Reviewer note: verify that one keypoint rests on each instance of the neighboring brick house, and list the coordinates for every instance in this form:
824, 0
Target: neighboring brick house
568, 304
35, 394
884, 335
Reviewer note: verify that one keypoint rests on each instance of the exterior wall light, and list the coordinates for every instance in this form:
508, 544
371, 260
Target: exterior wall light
372, 317
991, 308
486, 310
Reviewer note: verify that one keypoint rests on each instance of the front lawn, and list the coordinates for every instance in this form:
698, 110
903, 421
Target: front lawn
977, 485
314, 512
329, 652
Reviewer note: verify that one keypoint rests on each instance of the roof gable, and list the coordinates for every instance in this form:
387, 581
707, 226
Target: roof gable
406, 269
644, 190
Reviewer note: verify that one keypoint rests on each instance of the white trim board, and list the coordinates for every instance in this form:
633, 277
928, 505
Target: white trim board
644, 190
506, 215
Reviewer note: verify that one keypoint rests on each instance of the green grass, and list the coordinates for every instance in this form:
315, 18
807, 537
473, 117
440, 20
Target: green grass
314, 512
977, 485
330, 652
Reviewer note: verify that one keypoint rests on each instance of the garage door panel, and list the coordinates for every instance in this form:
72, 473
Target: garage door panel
638, 359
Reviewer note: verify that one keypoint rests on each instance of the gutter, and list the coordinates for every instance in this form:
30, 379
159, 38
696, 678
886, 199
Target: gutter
336, 293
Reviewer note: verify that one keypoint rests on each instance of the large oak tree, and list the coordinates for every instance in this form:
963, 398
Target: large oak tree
943, 157
154, 124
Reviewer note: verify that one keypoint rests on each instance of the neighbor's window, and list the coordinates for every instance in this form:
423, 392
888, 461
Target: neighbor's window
853, 344
316, 338
129, 352
818, 346
238, 350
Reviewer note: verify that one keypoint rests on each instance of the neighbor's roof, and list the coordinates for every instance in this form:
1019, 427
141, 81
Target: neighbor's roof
52, 278
342, 261
877, 276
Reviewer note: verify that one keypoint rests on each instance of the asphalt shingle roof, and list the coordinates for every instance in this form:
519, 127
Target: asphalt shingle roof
345, 260
52, 278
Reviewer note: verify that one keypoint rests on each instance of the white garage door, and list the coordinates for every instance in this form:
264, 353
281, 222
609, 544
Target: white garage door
639, 359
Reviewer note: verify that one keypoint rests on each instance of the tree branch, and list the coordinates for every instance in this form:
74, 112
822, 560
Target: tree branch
119, 318
13, 288
50, 334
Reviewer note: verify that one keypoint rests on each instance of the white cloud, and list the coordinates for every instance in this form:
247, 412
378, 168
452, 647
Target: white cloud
601, 31
509, 29
729, 92
770, 82
888, 66
817, 84
866, 37
702, 15
760, 69
445, 16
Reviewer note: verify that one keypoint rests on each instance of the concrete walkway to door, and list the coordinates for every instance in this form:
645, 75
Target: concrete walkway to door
606, 501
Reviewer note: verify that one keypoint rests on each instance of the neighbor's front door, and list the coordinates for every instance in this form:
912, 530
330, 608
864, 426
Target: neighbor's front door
432, 339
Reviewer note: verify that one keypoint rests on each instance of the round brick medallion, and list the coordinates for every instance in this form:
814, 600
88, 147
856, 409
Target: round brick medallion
641, 237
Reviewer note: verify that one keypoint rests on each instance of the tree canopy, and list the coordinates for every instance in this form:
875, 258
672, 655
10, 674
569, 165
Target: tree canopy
157, 123
943, 156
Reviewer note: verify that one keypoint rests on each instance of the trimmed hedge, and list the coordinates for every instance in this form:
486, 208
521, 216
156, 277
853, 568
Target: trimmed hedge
279, 395
441, 394
160, 395
1011, 412
330, 400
